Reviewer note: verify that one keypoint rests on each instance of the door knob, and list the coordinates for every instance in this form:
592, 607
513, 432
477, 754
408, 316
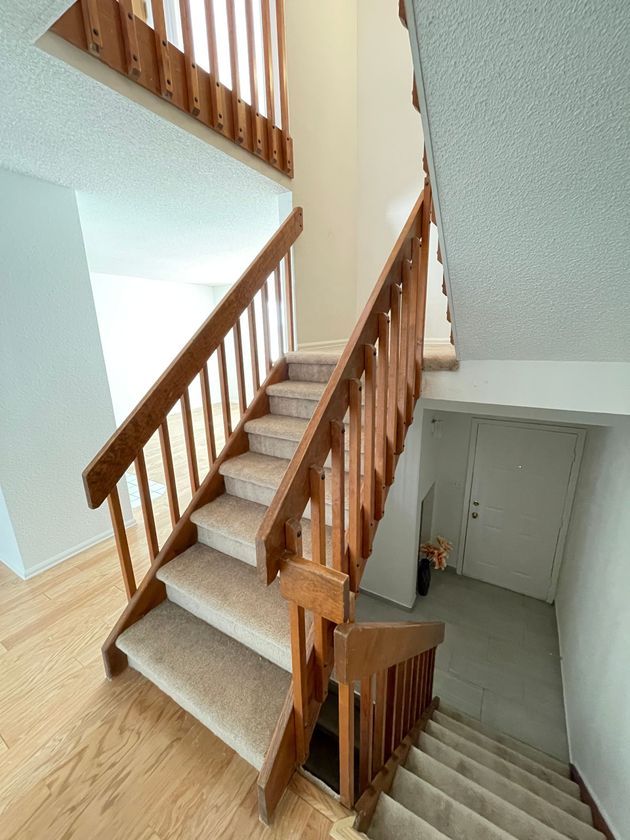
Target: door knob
475, 515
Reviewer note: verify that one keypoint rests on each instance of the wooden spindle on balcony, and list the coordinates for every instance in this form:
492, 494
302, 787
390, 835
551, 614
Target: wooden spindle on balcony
238, 106
269, 84
130, 38
283, 84
192, 73
162, 49
92, 25
259, 136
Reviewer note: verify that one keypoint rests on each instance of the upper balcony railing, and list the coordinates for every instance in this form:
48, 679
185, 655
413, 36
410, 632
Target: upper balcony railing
222, 61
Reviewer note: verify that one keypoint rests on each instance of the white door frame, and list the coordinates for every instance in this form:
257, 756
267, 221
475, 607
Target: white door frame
568, 501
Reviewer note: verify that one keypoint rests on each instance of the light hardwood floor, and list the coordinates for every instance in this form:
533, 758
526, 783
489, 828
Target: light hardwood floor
81, 757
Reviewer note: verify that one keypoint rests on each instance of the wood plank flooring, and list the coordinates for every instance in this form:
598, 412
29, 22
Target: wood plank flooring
81, 757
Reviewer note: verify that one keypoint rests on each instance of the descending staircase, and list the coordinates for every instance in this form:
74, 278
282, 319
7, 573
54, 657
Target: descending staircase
460, 779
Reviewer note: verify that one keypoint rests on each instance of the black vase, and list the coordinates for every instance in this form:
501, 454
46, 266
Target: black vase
424, 576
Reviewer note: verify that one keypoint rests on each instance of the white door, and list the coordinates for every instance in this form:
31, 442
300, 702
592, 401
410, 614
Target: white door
519, 502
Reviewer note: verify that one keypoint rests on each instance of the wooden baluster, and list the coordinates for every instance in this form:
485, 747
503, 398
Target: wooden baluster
368, 449
169, 472
366, 734
339, 555
288, 301
431, 670
130, 37
122, 546
216, 91
189, 438
92, 25
253, 346
192, 74
293, 537
162, 49
346, 744
413, 329
259, 136
225, 391
422, 286
208, 417
278, 293
240, 370
284, 90
392, 405
354, 489
425, 680
380, 461
266, 336
238, 109
274, 150
408, 695
380, 697
390, 713
147, 507
317, 482
415, 673
404, 354
400, 704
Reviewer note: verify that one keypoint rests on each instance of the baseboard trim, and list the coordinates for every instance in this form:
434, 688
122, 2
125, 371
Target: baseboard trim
598, 819
389, 600
18, 572
50, 562
437, 342
337, 346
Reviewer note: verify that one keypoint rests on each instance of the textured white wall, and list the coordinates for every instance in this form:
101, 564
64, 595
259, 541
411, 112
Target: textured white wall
594, 624
528, 115
55, 410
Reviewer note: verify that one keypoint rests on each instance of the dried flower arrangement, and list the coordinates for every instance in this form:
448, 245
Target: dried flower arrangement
437, 552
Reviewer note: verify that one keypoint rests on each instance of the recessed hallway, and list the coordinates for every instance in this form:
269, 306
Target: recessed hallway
500, 658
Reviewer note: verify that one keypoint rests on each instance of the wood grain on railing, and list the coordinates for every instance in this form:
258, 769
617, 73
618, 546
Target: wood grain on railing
393, 665
119, 34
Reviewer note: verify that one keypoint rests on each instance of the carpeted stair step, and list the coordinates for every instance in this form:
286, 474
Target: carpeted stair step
228, 594
311, 367
232, 690
442, 811
230, 524
295, 399
566, 824
256, 478
467, 792
508, 754
508, 770
559, 767
392, 821
439, 357
279, 435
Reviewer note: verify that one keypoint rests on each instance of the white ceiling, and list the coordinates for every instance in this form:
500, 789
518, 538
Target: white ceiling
527, 111
155, 201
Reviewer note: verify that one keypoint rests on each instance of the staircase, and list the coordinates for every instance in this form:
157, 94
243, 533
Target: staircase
456, 778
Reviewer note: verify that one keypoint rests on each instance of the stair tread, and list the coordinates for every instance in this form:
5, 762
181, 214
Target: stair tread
502, 787
305, 357
442, 811
469, 793
507, 740
236, 521
436, 358
509, 754
392, 820
278, 426
228, 594
509, 771
297, 389
232, 690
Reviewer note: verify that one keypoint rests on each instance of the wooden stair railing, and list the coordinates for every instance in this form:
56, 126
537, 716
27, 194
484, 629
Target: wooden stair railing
204, 62
255, 316
365, 411
393, 664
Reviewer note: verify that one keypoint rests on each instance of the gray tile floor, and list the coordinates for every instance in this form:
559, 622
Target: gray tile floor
499, 661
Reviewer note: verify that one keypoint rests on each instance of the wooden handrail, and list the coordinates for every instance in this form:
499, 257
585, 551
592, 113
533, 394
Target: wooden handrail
394, 666
120, 451
364, 649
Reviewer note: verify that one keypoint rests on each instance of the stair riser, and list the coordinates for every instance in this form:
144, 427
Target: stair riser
237, 631
292, 407
242, 551
282, 448
310, 373
263, 495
